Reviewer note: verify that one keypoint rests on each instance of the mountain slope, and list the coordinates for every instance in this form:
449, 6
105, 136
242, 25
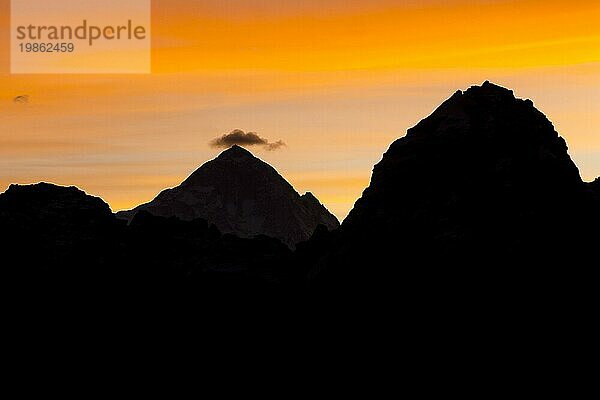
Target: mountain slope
483, 145
243, 195
483, 187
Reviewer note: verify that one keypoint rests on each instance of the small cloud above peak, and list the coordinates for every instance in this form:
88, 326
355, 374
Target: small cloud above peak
240, 138
22, 99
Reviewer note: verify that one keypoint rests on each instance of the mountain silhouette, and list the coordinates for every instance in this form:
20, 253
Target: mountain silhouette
64, 249
53, 204
478, 210
54, 231
48, 217
478, 197
482, 146
243, 195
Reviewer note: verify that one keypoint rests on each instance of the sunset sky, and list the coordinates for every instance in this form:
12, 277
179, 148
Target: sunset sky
336, 80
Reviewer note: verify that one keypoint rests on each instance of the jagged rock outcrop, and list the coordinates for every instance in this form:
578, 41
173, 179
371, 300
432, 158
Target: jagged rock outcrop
243, 195
323, 216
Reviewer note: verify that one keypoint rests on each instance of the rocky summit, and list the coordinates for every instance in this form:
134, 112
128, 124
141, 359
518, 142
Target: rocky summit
480, 148
483, 187
243, 195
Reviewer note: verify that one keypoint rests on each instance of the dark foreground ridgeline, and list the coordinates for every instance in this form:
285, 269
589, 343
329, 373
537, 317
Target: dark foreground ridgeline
479, 207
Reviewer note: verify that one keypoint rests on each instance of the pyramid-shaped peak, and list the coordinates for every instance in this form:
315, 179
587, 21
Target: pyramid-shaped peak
236, 152
241, 194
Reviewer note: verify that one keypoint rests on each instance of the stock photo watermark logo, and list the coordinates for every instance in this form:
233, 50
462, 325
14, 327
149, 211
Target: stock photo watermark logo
80, 37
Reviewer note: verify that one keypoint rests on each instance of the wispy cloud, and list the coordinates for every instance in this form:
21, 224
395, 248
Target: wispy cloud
242, 138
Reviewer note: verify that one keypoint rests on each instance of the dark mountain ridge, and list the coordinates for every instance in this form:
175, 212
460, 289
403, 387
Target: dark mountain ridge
63, 249
478, 207
243, 195
482, 194
483, 142
44, 200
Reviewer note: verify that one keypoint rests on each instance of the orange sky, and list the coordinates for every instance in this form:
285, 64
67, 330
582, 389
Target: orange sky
337, 80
